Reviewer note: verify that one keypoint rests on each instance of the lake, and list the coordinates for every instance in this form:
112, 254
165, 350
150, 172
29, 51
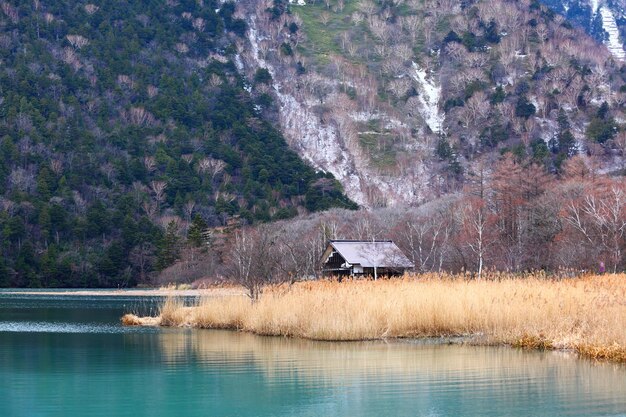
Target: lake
66, 355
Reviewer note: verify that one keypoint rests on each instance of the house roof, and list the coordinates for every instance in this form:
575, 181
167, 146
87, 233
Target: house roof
369, 254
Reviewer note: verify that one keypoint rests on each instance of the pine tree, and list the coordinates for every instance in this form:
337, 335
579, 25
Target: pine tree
196, 232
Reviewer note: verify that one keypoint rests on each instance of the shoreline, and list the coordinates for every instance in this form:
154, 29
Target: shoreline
129, 292
529, 344
584, 315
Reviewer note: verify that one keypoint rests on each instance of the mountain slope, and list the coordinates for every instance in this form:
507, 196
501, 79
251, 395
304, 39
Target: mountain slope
604, 20
400, 99
119, 123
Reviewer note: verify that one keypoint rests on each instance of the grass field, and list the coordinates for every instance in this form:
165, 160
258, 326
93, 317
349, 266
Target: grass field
586, 315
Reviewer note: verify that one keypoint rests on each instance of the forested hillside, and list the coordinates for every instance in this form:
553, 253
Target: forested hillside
122, 121
605, 20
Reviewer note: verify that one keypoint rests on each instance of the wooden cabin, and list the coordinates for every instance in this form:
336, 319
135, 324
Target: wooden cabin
364, 257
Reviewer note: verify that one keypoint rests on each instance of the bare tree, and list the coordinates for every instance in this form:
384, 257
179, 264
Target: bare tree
139, 116
211, 166
77, 41
150, 209
477, 230
91, 8
56, 165
22, 180
599, 215
158, 188
298, 250
620, 143
109, 170
152, 91
188, 209
149, 162
252, 260
142, 257
79, 202
425, 235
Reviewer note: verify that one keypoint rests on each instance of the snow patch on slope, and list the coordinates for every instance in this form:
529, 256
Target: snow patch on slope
429, 97
610, 26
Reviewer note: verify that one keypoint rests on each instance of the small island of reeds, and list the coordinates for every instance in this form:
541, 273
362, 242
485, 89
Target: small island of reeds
585, 314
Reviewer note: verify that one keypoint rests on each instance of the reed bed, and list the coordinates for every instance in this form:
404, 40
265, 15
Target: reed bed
587, 315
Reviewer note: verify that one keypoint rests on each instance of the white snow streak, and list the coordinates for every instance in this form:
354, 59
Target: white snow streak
317, 143
429, 97
610, 26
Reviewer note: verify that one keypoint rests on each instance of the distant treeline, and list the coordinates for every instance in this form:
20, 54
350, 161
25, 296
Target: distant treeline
511, 218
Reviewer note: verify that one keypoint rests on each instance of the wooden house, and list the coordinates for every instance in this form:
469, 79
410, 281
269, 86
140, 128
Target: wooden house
364, 257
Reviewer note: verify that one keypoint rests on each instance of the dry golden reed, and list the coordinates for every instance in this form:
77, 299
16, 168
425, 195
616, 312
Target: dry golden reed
586, 314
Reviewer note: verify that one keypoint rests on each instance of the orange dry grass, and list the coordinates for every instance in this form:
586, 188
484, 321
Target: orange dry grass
584, 314
174, 313
134, 320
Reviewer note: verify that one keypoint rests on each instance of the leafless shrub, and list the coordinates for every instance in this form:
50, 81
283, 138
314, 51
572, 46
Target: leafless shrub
194, 265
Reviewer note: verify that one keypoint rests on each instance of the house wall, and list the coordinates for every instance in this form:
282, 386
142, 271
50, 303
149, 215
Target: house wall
382, 272
334, 261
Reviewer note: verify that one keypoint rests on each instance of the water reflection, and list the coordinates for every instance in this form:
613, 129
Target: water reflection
477, 377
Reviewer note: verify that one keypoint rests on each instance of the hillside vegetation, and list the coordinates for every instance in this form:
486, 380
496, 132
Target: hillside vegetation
416, 93
120, 123
604, 20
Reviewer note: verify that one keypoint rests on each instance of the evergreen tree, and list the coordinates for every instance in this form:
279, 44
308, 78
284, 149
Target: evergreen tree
169, 246
566, 140
196, 233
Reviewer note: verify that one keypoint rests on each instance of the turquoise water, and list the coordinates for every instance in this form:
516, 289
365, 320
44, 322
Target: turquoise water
68, 356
